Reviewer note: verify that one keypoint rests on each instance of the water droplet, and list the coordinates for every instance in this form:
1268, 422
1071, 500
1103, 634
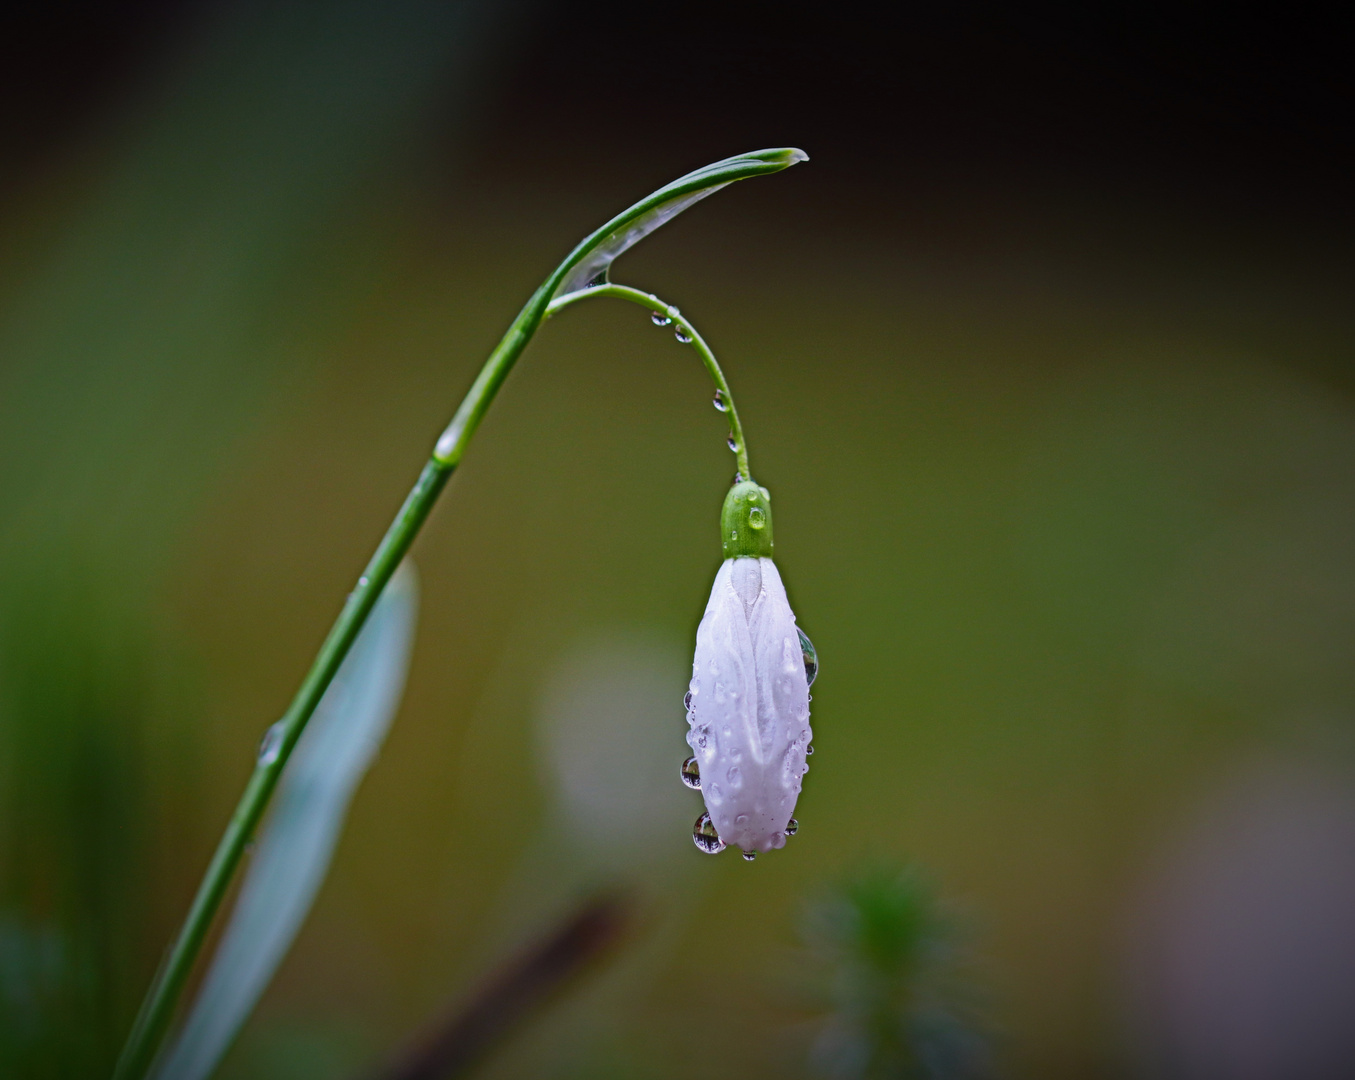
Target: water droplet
742, 819
735, 777
731, 443
270, 746
705, 837
811, 657
660, 319
749, 856
757, 517
682, 336
691, 774
809, 750
719, 401
362, 582
792, 827
687, 700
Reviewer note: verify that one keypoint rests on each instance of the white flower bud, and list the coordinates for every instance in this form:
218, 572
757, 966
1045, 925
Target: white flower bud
749, 706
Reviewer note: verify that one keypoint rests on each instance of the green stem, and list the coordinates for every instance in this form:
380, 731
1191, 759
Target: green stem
158, 1007
680, 321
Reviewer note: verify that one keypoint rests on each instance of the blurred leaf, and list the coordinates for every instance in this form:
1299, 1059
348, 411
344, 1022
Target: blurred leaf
296, 845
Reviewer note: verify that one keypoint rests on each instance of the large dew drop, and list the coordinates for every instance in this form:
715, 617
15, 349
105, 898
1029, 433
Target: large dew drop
811, 657
792, 827
691, 774
270, 746
660, 319
705, 837
719, 401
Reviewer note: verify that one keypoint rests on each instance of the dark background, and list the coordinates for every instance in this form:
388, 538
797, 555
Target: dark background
1046, 354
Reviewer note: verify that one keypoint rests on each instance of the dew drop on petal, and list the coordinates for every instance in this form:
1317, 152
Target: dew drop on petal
811, 657
705, 837
741, 820
749, 856
792, 827
687, 700
809, 750
270, 746
691, 774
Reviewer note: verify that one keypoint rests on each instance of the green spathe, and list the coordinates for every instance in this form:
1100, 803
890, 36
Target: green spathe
746, 522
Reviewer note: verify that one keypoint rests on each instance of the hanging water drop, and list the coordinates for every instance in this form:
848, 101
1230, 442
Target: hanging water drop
691, 774
757, 519
705, 837
792, 827
749, 856
719, 401
809, 750
270, 746
660, 319
811, 657
731, 443
682, 336
687, 700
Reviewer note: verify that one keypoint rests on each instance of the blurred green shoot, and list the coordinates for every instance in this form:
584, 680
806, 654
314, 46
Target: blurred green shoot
583, 271
900, 1004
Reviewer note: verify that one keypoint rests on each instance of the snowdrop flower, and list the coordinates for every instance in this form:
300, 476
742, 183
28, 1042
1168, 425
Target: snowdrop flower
749, 702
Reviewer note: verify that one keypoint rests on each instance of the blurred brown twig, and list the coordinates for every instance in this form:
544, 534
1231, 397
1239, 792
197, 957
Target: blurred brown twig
453, 1044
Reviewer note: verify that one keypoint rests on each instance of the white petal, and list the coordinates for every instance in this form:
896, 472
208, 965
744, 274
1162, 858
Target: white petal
750, 706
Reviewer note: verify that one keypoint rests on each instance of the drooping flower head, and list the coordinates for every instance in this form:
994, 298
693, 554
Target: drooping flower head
748, 705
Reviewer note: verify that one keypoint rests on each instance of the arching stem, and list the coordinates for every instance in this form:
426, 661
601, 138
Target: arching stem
157, 1009
681, 322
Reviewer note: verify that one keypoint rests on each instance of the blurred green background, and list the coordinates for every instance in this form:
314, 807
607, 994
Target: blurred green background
1045, 356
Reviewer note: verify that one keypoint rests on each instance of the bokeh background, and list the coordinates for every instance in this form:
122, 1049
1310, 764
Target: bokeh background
1046, 356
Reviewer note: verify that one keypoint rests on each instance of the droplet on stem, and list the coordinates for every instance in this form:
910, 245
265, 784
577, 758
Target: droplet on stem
731, 443
270, 746
660, 319
682, 336
719, 401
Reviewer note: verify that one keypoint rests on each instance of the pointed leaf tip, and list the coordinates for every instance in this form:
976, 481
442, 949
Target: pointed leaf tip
589, 263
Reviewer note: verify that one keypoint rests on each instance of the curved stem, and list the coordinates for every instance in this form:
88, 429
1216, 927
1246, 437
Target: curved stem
653, 303
158, 1007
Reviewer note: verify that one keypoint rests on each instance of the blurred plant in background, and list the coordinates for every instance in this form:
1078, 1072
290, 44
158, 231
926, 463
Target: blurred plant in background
84, 758
902, 997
